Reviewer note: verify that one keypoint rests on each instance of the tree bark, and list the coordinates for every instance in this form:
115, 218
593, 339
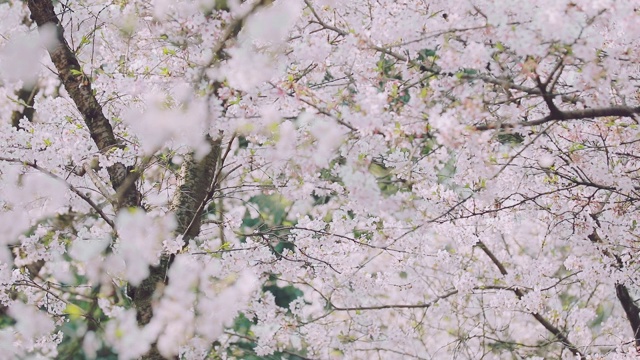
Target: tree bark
197, 180
27, 96
628, 305
197, 183
78, 86
631, 310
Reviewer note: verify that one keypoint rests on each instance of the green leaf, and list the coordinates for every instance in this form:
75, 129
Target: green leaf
576, 147
424, 54
75, 312
513, 139
466, 72
84, 41
167, 51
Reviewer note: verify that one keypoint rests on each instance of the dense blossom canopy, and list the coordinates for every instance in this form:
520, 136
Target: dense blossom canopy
319, 179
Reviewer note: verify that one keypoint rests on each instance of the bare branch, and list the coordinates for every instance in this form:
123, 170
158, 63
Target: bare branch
397, 306
519, 293
613, 111
69, 186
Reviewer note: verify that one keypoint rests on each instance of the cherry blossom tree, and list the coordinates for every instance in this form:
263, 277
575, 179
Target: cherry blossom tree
319, 179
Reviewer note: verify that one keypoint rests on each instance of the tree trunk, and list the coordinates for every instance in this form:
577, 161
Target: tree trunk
197, 183
78, 86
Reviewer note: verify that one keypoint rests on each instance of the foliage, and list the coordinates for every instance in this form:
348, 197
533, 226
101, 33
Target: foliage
316, 179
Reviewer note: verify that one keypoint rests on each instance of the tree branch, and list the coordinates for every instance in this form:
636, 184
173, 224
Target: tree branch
631, 310
616, 111
196, 181
26, 97
519, 293
79, 88
628, 305
69, 186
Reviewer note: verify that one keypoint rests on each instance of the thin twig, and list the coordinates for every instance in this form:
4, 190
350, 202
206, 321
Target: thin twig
69, 186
